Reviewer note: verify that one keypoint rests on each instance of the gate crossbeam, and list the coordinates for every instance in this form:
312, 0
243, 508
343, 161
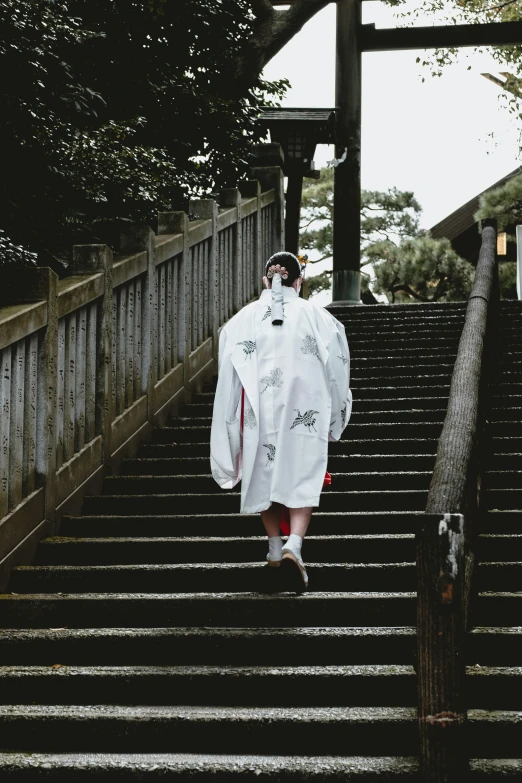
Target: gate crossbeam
442, 36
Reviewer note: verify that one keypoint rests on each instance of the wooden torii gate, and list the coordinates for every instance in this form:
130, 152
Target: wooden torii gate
352, 39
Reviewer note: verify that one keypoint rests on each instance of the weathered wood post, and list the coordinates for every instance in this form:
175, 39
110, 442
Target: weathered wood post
35, 404
231, 198
133, 240
446, 539
294, 194
178, 223
441, 629
251, 188
89, 259
207, 209
347, 182
271, 178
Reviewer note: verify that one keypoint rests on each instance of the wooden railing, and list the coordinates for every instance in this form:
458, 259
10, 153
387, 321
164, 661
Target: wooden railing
446, 539
91, 363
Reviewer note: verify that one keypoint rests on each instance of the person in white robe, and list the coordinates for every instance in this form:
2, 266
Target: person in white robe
283, 393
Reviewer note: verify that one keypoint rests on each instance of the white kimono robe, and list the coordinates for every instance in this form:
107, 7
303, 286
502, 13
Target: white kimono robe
297, 397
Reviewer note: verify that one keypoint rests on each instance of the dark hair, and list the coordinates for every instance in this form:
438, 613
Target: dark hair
291, 264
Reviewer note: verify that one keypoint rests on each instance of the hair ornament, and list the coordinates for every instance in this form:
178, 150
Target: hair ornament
277, 269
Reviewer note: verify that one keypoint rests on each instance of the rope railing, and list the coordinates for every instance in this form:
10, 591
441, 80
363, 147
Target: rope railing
91, 363
446, 538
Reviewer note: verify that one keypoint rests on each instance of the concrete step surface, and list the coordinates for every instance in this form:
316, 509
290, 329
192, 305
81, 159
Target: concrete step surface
166, 728
321, 548
235, 524
226, 768
241, 686
228, 646
149, 638
228, 502
174, 610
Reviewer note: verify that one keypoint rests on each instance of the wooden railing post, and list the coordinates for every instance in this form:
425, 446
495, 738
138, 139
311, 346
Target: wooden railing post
271, 178
134, 239
28, 428
207, 209
251, 188
441, 620
178, 223
231, 197
446, 539
89, 259
45, 462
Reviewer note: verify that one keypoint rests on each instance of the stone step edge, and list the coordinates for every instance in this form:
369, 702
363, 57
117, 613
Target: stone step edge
334, 538
275, 672
338, 768
335, 768
336, 671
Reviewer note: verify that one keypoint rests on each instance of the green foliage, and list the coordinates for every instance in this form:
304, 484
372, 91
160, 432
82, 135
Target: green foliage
383, 215
120, 108
406, 264
318, 283
504, 204
423, 269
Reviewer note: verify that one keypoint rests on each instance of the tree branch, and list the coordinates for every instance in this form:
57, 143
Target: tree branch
272, 33
263, 9
408, 290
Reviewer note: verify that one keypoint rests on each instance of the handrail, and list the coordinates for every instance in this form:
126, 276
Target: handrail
446, 539
519, 262
91, 363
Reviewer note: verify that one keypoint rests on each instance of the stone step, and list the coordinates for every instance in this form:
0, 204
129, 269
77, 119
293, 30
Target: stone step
388, 548
499, 608
504, 462
218, 577
163, 728
311, 646
494, 646
394, 444
378, 430
505, 410
407, 415
211, 578
394, 402
509, 499
240, 686
236, 525
247, 610
203, 484
497, 547
440, 309
504, 576
227, 502
505, 428
502, 521
383, 331
357, 463
488, 688
497, 733
222, 768
402, 343
328, 646
503, 479
506, 444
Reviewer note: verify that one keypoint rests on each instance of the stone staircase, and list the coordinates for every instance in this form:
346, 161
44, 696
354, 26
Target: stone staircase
146, 639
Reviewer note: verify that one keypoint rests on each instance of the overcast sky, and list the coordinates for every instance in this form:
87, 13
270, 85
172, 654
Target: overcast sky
431, 137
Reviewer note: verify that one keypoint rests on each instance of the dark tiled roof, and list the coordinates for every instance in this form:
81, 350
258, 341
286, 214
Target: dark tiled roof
459, 221
291, 114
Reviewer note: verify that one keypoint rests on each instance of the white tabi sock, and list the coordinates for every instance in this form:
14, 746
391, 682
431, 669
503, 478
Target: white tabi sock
294, 544
274, 548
